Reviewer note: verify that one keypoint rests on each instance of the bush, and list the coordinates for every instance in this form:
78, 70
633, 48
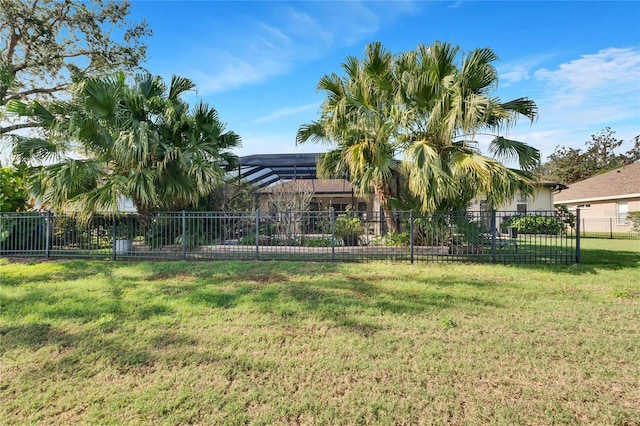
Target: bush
164, 231
430, 231
634, 219
316, 241
348, 226
12, 190
26, 232
397, 239
534, 224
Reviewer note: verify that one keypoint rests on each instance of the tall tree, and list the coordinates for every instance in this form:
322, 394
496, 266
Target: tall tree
427, 105
568, 165
137, 140
358, 119
447, 98
47, 44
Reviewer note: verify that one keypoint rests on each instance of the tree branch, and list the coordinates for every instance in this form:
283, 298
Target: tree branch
47, 91
13, 41
18, 126
26, 65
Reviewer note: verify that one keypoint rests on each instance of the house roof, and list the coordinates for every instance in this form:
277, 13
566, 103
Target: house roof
317, 186
555, 186
616, 184
264, 169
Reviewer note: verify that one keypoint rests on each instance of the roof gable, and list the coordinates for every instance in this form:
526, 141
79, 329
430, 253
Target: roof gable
614, 184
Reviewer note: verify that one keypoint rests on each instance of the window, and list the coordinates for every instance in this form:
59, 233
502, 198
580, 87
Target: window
622, 208
521, 203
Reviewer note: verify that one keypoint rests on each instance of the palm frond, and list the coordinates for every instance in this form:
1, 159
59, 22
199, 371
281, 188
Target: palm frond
179, 85
527, 157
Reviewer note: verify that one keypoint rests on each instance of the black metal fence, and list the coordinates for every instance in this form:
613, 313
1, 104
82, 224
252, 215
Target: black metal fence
609, 227
486, 236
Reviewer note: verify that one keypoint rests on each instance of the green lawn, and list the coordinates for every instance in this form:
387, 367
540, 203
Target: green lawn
94, 342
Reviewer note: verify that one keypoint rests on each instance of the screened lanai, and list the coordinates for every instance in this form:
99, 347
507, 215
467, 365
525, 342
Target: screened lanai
263, 171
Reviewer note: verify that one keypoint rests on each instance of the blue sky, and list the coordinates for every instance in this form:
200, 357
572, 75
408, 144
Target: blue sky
258, 63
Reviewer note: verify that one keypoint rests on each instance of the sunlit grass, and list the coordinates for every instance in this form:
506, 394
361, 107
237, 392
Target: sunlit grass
320, 343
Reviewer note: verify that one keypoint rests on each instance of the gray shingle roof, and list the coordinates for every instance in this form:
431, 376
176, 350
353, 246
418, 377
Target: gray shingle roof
317, 186
614, 184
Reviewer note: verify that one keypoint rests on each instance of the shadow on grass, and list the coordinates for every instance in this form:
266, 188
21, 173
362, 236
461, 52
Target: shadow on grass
591, 261
283, 289
118, 351
57, 270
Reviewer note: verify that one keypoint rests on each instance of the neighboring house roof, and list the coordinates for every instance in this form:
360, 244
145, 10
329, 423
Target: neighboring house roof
317, 186
555, 186
614, 185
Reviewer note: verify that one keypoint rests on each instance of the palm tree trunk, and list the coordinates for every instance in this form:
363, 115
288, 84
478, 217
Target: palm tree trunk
144, 215
383, 195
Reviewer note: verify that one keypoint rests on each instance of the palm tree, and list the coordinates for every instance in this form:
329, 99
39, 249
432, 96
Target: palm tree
444, 107
357, 119
138, 141
427, 104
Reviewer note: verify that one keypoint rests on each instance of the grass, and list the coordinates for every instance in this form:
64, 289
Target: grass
232, 342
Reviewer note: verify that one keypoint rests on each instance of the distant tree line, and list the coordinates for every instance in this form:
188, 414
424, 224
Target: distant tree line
568, 165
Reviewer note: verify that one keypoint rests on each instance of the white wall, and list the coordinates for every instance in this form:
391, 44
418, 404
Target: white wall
541, 201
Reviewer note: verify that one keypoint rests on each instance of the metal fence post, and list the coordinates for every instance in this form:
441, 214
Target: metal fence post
493, 235
411, 233
113, 237
184, 235
333, 236
578, 236
257, 234
611, 228
48, 234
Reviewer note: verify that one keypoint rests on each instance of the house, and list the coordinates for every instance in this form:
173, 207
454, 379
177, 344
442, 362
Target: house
282, 179
543, 200
323, 194
609, 195
277, 174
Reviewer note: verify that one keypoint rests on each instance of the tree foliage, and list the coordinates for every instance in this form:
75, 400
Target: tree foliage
13, 191
568, 165
358, 120
426, 105
45, 45
136, 139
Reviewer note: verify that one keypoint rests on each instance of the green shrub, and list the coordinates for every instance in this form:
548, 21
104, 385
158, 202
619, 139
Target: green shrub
316, 241
429, 231
534, 224
348, 226
26, 232
634, 220
13, 194
397, 239
563, 213
249, 239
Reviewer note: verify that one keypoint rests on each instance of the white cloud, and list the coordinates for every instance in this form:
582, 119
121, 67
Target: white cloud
514, 72
295, 33
599, 76
230, 71
580, 97
285, 112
